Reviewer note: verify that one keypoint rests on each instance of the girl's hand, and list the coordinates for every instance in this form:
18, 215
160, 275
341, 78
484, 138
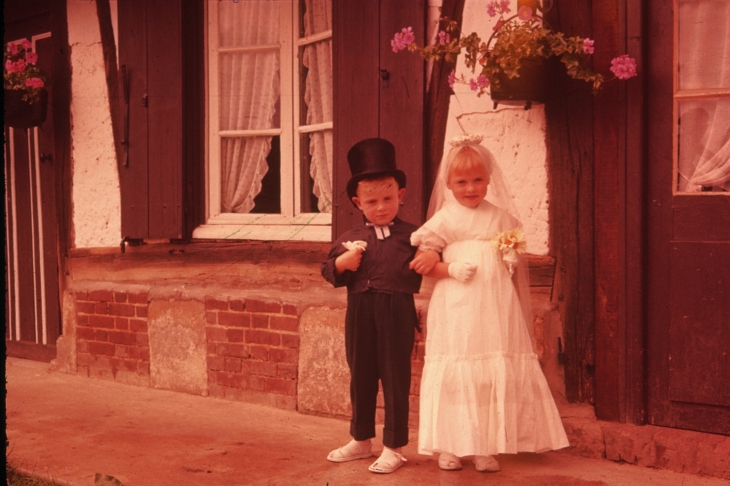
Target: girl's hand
424, 261
462, 271
350, 260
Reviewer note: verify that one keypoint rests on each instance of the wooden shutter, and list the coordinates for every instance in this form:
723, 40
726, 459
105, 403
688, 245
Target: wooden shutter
377, 93
160, 113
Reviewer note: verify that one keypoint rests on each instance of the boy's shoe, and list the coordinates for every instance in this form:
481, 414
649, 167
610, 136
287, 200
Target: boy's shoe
389, 461
449, 462
486, 464
355, 449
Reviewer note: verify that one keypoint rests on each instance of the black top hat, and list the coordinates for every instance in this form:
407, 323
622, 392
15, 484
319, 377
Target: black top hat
372, 157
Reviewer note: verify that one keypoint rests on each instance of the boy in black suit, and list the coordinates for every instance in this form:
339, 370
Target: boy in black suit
372, 261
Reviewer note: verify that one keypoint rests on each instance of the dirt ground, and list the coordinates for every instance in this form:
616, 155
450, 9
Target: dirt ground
71, 428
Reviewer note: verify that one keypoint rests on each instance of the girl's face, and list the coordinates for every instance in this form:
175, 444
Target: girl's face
469, 185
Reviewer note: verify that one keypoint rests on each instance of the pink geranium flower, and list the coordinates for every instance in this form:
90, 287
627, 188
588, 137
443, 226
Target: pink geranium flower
504, 5
452, 78
34, 83
402, 39
31, 57
15, 67
624, 67
13, 48
524, 13
492, 9
588, 46
482, 81
444, 38
26, 44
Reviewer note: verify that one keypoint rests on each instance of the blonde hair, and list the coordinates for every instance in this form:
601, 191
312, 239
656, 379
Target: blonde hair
468, 158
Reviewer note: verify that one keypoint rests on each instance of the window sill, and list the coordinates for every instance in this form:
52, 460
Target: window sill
266, 233
268, 227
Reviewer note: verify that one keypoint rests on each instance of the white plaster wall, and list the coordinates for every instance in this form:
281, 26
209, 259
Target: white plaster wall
515, 136
95, 182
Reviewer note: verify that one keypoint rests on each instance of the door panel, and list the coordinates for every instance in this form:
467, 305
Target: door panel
33, 321
688, 265
699, 349
377, 93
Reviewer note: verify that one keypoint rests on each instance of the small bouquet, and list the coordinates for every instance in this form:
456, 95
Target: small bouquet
510, 244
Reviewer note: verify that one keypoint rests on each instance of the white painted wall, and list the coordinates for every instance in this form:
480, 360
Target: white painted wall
95, 182
516, 137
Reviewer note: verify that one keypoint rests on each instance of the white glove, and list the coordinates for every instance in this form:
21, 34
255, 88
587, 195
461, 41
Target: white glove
355, 245
462, 271
510, 257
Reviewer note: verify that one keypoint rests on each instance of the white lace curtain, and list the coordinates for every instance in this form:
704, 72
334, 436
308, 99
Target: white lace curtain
250, 90
317, 58
704, 63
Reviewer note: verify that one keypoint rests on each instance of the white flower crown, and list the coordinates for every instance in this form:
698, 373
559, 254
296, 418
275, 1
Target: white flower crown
466, 139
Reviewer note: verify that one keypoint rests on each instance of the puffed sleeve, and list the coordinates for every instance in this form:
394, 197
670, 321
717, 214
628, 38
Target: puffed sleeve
425, 240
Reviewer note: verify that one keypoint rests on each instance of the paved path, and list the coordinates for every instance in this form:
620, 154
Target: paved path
71, 428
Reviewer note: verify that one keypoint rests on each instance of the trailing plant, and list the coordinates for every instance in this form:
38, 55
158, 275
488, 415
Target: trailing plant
514, 39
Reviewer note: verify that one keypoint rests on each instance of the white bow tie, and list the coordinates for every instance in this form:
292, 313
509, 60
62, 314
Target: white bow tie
381, 231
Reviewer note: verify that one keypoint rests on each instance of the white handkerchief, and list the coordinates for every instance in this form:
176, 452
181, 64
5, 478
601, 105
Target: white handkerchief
355, 245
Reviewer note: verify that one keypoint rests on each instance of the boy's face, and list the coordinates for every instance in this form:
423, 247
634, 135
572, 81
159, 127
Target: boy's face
379, 200
469, 185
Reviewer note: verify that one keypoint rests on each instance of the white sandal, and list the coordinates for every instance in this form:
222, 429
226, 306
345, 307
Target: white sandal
486, 464
351, 451
388, 462
449, 462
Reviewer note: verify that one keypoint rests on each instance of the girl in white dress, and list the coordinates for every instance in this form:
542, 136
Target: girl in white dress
482, 392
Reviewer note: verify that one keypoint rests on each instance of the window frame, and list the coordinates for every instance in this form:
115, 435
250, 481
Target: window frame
291, 223
678, 96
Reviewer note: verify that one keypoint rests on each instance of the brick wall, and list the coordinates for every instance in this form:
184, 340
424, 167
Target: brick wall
111, 336
253, 351
252, 347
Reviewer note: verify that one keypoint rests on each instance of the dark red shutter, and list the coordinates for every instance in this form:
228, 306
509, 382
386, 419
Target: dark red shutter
151, 174
377, 93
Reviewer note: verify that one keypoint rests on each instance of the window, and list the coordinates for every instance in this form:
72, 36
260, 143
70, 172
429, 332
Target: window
702, 96
270, 112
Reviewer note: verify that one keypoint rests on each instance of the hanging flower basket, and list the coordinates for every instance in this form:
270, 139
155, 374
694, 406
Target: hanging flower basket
26, 100
19, 113
501, 62
532, 85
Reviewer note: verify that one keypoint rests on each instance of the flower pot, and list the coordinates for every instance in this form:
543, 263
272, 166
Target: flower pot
21, 114
531, 86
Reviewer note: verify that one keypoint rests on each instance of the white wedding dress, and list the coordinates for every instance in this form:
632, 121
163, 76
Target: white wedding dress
482, 391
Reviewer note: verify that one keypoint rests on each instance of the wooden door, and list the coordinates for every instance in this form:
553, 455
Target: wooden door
377, 93
32, 308
688, 262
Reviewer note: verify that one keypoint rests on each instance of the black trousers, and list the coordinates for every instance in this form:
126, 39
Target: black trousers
379, 340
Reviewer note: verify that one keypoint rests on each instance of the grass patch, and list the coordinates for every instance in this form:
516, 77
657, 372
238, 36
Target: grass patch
18, 478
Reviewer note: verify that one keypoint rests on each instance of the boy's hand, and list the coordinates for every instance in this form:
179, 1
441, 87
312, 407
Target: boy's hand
462, 271
424, 261
350, 260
